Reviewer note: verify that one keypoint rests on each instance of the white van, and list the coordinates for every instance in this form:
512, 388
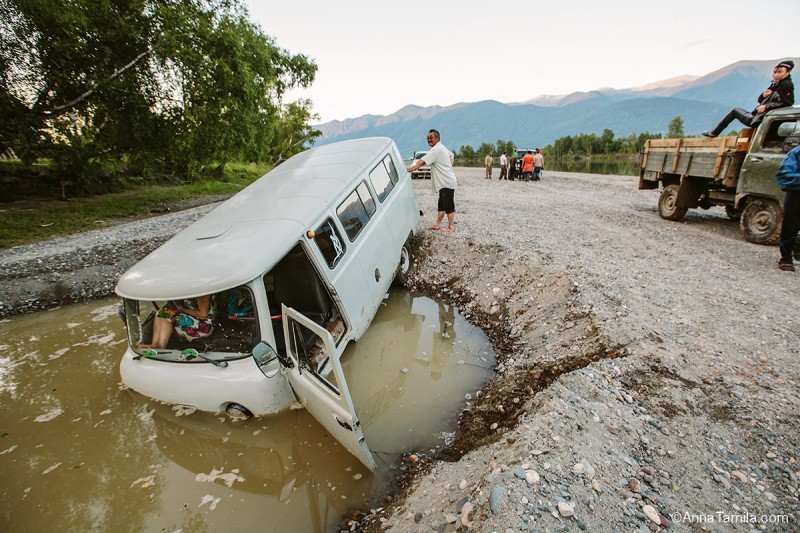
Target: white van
296, 266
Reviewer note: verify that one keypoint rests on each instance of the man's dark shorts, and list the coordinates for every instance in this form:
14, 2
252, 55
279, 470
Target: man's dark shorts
447, 202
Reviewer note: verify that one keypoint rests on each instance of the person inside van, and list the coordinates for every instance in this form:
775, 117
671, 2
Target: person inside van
192, 318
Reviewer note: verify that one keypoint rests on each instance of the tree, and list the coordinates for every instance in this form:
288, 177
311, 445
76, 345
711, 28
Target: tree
172, 86
505, 146
675, 128
466, 152
484, 149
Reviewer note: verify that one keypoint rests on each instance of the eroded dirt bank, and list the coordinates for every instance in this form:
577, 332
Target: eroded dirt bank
649, 369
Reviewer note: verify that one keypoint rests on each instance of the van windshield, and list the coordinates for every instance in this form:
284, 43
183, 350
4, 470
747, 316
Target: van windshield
217, 327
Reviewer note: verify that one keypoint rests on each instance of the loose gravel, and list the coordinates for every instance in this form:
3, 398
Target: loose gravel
648, 370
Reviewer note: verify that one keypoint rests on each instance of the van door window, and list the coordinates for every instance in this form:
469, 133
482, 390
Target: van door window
383, 177
329, 242
355, 211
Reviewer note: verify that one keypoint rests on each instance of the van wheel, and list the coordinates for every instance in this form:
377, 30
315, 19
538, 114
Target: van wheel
761, 221
238, 411
403, 275
667, 203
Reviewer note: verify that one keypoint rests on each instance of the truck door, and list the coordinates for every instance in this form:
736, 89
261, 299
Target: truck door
757, 176
316, 376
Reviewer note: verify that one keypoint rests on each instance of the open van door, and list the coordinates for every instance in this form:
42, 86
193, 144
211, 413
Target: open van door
311, 351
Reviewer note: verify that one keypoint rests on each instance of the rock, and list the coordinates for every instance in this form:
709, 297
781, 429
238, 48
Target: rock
650, 512
450, 518
635, 485
463, 485
495, 495
417, 517
520, 473
578, 469
741, 477
565, 509
532, 477
466, 511
588, 468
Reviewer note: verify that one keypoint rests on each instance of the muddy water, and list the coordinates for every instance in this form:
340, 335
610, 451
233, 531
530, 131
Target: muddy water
78, 452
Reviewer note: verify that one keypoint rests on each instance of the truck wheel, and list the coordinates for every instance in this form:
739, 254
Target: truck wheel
733, 213
667, 206
403, 275
761, 221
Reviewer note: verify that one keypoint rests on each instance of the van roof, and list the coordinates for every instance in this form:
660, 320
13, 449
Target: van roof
250, 232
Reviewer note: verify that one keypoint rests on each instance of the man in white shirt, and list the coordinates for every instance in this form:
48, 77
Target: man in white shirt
443, 179
503, 167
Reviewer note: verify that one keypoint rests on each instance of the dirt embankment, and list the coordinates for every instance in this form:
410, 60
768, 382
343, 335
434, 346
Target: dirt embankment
649, 369
648, 374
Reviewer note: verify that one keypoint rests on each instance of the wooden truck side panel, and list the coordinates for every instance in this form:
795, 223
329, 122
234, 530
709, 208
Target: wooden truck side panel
718, 159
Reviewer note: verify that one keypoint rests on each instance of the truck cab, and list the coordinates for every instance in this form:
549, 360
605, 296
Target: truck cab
737, 172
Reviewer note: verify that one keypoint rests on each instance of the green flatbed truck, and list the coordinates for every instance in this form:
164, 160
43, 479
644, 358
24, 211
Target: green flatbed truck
737, 172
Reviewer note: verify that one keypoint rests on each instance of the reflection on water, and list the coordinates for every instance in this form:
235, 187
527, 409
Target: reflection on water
79, 451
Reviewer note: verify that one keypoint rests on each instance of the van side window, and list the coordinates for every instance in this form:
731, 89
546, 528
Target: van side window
329, 242
383, 177
392, 169
366, 198
355, 211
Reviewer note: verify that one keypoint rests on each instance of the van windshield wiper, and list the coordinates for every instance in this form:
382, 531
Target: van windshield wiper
191, 352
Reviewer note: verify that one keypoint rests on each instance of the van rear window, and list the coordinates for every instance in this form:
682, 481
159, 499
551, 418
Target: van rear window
329, 242
383, 177
356, 210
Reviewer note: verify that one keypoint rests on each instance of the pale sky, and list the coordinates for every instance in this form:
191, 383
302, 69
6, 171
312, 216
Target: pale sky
375, 57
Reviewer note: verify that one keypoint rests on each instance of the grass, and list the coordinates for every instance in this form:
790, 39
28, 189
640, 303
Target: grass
39, 219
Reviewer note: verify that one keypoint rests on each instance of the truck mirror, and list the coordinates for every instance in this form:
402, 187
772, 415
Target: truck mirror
790, 143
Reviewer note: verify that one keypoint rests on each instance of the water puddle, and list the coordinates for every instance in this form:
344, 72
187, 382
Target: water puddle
78, 450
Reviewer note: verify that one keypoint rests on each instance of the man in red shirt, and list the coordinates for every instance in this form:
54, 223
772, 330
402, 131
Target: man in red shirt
527, 166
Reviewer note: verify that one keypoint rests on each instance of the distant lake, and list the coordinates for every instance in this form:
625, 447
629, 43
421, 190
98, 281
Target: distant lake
619, 166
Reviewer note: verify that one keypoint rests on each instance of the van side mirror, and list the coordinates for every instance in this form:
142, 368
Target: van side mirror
790, 143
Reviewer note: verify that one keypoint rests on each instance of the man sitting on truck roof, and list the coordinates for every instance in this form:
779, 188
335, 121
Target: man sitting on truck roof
780, 93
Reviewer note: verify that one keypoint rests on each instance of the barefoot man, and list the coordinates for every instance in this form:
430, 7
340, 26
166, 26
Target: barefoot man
443, 179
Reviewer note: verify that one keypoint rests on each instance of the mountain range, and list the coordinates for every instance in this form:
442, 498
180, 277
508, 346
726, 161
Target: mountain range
701, 101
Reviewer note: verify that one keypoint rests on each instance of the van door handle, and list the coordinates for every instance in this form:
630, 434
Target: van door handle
756, 159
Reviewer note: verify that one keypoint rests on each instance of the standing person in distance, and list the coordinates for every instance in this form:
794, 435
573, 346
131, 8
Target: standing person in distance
503, 167
538, 165
527, 166
443, 179
487, 162
788, 178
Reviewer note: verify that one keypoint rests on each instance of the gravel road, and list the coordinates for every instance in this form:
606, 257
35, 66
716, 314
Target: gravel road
648, 372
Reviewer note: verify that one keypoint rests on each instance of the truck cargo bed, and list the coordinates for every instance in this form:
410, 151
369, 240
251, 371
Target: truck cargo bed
719, 158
